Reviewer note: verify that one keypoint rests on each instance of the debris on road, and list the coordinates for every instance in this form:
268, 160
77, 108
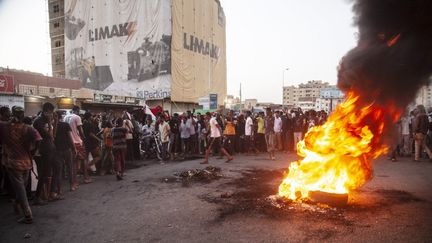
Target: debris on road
27, 236
207, 174
226, 195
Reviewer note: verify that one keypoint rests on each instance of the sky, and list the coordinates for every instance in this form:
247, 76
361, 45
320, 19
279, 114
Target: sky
264, 38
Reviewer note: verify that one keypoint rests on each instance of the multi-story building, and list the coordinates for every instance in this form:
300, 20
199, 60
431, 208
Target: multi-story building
145, 51
56, 30
303, 95
329, 98
424, 96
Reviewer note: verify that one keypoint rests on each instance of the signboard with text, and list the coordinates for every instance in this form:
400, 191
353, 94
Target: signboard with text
213, 101
6, 84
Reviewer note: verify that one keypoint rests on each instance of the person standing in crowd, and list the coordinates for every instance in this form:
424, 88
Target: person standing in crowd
199, 125
64, 149
107, 158
404, 143
260, 136
229, 133
44, 125
203, 133
215, 141
129, 136
278, 131
175, 142
164, 130
322, 117
289, 132
249, 133
192, 126
240, 134
269, 133
80, 160
92, 142
119, 133
298, 129
5, 186
17, 139
185, 135
135, 136
420, 128
147, 132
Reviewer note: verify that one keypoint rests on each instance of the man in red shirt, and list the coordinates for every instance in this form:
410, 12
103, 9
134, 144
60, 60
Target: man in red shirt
18, 139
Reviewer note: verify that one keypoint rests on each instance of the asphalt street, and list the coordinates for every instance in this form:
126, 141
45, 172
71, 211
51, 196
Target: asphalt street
153, 205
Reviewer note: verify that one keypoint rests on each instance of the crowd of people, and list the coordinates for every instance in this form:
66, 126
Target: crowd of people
413, 135
55, 145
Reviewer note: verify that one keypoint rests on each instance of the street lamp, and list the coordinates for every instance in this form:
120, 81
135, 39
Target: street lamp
283, 84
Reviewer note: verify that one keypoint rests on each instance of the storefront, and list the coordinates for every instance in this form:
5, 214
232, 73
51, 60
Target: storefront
111, 103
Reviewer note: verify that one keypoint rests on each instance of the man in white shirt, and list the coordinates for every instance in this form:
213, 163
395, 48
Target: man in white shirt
193, 138
164, 130
147, 131
278, 130
77, 133
215, 140
249, 133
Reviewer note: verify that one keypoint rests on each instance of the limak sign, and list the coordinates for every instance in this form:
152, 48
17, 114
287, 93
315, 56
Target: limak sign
198, 45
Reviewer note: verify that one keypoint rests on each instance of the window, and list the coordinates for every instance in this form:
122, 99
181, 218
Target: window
56, 24
51, 90
56, 8
57, 43
58, 59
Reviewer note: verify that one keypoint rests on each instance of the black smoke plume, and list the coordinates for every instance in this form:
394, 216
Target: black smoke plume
393, 56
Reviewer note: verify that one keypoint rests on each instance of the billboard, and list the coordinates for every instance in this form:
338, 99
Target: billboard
120, 47
198, 50
6, 84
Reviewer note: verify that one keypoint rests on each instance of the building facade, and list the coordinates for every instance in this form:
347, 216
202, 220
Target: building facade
424, 96
56, 31
303, 95
33, 89
167, 52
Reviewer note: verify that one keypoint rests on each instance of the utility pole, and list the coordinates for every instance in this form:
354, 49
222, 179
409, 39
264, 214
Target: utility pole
240, 93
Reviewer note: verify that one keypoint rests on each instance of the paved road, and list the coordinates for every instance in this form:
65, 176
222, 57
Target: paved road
150, 206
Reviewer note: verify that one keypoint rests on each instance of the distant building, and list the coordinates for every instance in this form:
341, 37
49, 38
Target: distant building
250, 103
330, 97
424, 96
304, 95
232, 103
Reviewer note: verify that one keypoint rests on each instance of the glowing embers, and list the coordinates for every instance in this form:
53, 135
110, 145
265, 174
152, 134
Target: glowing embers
337, 155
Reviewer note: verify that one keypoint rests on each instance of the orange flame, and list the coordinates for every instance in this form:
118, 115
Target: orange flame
337, 155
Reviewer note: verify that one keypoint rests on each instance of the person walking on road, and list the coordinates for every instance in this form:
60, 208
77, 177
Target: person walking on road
420, 128
215, 140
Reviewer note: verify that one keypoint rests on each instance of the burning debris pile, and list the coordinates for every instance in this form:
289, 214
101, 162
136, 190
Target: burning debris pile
381, 75
207, 174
